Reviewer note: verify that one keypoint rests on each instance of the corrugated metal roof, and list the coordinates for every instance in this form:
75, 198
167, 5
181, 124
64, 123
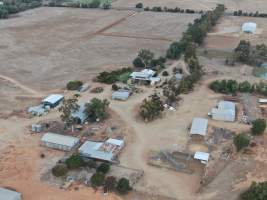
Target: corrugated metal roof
199, 126
80, 113
53, 98
121, 95
202, 156
115, 142
249, 27
60, 139
6, 194
92, 149
226, 105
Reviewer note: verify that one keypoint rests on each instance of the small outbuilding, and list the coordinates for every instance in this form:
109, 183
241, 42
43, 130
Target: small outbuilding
52, 100
249, 27
199, 126
60, 142
6, 194
202, 156
121, 95
224, 112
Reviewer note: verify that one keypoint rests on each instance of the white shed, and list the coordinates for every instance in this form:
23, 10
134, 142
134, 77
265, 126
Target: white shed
116, 142
6, 194
224, 112
121, 95
249, 27
199, 126
202, 156
61, 142
52, 100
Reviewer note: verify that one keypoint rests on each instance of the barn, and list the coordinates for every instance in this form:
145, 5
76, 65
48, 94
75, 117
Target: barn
52, 100
6, 194
61, 142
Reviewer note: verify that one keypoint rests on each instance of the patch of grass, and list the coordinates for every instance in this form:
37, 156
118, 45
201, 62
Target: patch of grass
124, 77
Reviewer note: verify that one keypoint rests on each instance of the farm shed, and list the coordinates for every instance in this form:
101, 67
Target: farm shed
116, 142
121, 95
249, 27
224, 112
61, 142
199, 126
52, 100
80, 116
6, 194
202, 156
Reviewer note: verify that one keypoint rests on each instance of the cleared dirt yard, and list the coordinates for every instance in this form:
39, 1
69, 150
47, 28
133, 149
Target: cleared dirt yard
50, 46
245, 5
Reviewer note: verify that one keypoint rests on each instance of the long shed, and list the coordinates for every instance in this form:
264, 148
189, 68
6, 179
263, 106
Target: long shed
199, 126
61, 142
6, 194
52, 100
224, 112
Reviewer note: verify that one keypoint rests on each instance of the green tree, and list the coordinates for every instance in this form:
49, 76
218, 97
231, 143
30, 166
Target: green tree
103, 168
258, 126
257, 191
59, 170
97, 109
245, 86
242, 51
97, 179
123, 186
152, 108
146, 56
74, 161
74, 85
94, 4
138, 62
106, 4
175, 50
68, 107
139, 5
241, 141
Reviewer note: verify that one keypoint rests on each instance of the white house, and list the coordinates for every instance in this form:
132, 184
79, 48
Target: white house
6, 194
199, 126
61, 142
224, 112
143, 75
249, 27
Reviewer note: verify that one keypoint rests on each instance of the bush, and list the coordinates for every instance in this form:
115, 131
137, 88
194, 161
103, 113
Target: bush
241, 141
258, 126
110, 183
94, 4
60, 170
165, 73
103, 168
175, 50
97, 90
257, 191
97, 179
97, 109
139, 5
113, 76
74, 162
123, 186
74, 85
115, 87
106, 5
138, 62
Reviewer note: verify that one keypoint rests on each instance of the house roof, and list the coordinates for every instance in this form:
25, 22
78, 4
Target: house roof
121, 94
92, 150
6, 194
144, 74
199, 126
53, 98
226, 105
201, 156
262, 100
115, 142
63, 140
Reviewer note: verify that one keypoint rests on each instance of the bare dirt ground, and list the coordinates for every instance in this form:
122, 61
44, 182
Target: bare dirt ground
245, 5
227, 33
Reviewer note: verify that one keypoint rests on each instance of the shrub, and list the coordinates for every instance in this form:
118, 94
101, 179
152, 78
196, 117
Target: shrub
59, 170
241, 141
123, 186
245, 86
115, 87
97, 179
97, 90
74, 162
110, 183
139, 5
106, 5
165, 73
258, 126
74, 85
257, 191
103, 168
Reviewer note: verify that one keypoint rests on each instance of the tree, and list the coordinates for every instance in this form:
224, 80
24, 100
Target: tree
241, 141
68, 107
165, 73
74, 161
138, 62
106, 5
74, 85
258, 126
175, 50
257, 191
59, 170
97, 179
103, 168
123, 186
110, 183
97, 110
245, 86
152, 108
146, 56
139, 5
94, 4
242, 51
